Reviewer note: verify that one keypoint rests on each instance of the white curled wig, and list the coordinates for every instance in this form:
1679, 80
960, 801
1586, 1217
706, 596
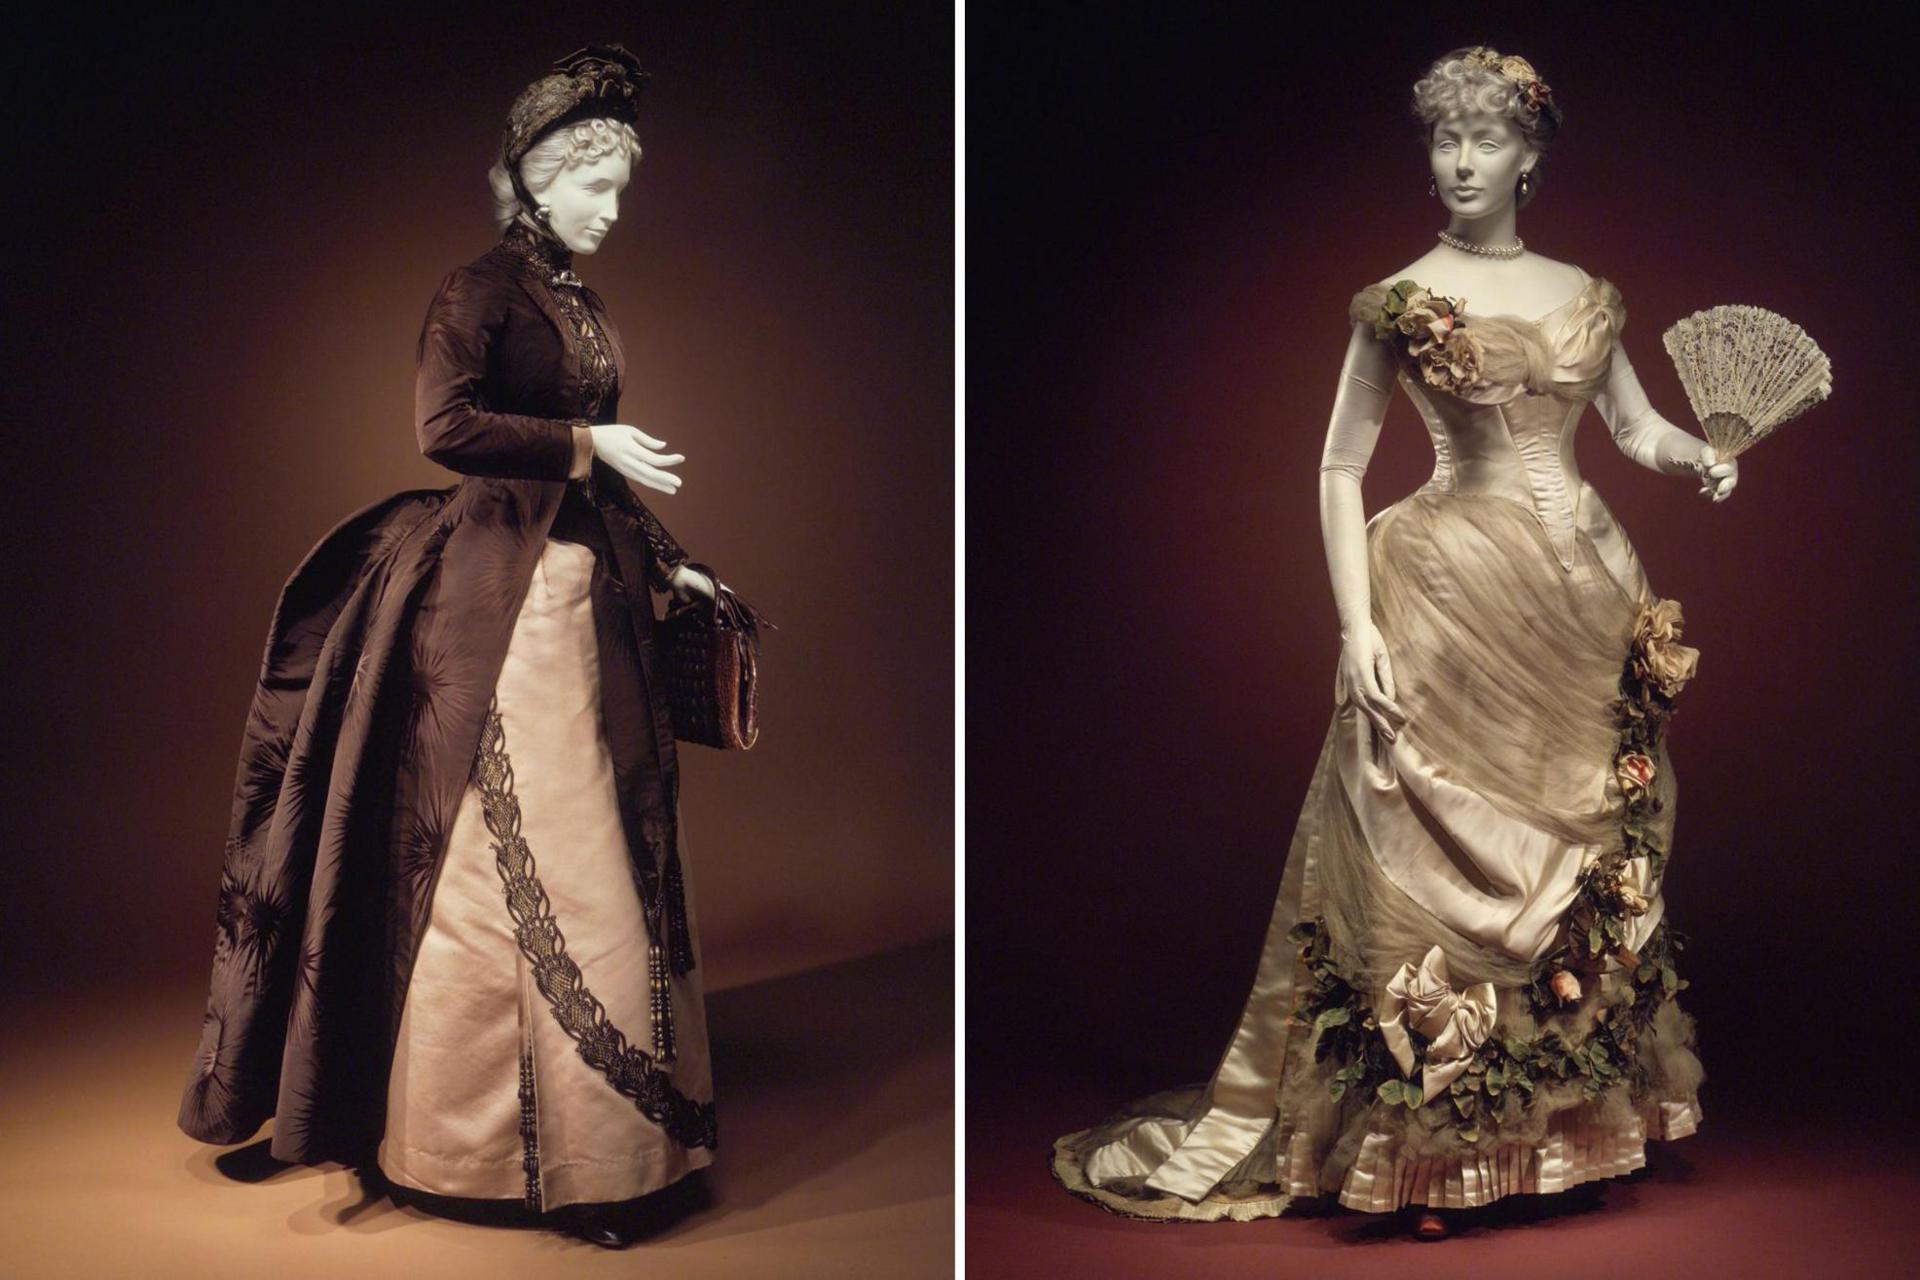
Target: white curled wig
1456, 82
581, 142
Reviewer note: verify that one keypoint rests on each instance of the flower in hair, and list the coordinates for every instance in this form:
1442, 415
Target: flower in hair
1533, 91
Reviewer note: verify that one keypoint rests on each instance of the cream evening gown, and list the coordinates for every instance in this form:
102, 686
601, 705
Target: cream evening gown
1437, 869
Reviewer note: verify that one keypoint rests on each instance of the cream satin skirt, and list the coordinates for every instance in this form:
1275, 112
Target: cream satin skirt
489, 1096
1469, 832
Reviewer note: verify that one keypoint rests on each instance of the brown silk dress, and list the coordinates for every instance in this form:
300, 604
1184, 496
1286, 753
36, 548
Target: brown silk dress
454, 931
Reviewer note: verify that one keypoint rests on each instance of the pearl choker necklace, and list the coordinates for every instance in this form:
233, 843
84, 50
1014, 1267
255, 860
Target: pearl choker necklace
1467, 246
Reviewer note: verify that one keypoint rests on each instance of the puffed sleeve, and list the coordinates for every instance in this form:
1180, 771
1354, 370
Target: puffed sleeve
455, 428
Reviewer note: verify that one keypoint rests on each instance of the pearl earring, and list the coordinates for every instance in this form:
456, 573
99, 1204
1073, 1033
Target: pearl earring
1433, 185
1526, 182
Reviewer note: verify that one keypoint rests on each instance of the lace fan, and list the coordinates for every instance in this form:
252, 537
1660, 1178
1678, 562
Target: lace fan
1747, 371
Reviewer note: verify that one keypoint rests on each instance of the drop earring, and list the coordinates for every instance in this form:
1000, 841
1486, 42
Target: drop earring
1433, 185
1526, 183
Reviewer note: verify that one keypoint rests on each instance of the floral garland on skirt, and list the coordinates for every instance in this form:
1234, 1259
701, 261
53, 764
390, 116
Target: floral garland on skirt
1483, 1076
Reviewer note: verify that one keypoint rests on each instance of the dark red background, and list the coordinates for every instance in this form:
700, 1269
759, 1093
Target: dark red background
1167, 216
223, 230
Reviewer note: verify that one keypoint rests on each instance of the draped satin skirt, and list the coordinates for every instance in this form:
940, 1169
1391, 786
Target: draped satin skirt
1467, 832
489, 1095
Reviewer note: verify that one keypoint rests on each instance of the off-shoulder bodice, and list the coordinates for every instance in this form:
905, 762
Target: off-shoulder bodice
1511, 434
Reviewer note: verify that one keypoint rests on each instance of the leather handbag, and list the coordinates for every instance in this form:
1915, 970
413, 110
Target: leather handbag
708, 649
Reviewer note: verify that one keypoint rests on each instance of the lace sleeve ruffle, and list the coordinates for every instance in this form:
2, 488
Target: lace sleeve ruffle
664, 554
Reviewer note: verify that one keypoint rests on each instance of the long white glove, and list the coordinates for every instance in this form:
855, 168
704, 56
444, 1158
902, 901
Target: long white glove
1653, 442
1359, 407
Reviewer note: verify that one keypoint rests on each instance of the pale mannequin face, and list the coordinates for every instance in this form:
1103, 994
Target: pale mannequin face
1483, 152
585, 200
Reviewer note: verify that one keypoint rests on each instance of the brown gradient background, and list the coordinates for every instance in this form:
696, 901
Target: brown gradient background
224, 233
1167, 217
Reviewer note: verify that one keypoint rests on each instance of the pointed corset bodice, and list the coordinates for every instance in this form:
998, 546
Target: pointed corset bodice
1511, 435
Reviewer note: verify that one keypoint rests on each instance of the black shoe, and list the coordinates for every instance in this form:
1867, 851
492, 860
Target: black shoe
603, 1229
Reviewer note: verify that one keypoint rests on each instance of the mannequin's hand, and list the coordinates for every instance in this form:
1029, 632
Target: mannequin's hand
687, 582
631, 452
1716, 478
1368, 676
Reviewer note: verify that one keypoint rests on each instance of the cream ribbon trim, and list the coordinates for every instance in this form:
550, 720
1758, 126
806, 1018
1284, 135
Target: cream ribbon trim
1454, 1022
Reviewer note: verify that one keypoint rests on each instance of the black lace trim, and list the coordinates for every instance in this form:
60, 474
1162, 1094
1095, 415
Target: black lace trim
552, 263
597, 369
529, 1129
578, 1011
541, 254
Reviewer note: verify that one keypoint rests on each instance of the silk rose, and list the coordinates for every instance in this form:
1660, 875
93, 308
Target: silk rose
1454, 364
1659, 657
1635, 773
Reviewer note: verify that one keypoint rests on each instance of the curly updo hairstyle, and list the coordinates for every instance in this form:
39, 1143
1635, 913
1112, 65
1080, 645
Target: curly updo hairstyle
582, 142
1461, 81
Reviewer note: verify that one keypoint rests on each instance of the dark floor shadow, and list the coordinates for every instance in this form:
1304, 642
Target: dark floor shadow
812, 1070
255, 1163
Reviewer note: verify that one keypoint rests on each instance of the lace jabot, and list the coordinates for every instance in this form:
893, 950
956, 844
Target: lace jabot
540, 254
545, 258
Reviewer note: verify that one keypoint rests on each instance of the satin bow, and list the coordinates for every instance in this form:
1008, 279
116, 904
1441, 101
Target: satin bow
1454, 1022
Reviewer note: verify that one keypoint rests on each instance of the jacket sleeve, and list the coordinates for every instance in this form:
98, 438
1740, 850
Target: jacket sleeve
582, 453
664, 554
453, 424
667, 555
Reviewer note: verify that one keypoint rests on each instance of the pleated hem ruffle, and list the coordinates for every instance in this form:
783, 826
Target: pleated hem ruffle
1572, 1153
